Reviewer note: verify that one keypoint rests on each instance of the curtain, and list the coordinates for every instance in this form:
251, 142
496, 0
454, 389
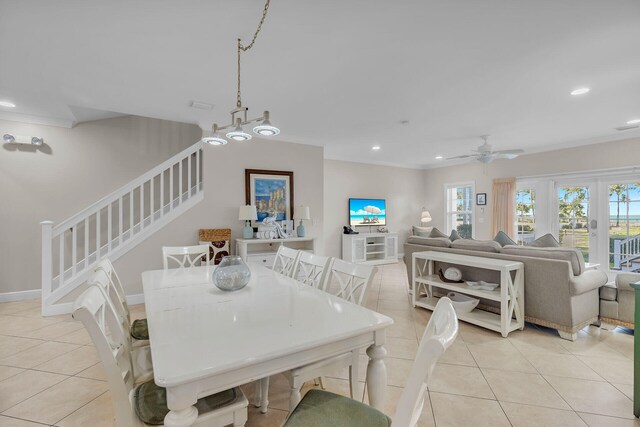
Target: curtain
504, 206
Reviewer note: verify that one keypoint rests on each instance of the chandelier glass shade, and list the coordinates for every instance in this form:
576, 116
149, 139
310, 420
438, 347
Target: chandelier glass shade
265, 128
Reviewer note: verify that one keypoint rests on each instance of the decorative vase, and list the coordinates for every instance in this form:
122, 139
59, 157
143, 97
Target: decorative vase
231, 274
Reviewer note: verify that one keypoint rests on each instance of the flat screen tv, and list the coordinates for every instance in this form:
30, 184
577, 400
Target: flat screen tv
367, 212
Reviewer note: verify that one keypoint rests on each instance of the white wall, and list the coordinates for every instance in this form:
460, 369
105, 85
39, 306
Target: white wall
402, 188
74, 168
586, 158
224, 186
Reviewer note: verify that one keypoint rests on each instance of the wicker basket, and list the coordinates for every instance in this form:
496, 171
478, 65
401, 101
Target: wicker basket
214, 234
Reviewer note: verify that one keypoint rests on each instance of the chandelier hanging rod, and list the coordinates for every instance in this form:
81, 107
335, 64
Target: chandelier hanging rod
238, 134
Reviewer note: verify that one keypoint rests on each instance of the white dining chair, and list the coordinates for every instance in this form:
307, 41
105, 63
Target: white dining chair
285, 260
142, 404
115, 292
311, 269
321, 408
350, 282
185, 256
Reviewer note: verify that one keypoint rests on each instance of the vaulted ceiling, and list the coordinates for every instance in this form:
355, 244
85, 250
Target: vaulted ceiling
418, 78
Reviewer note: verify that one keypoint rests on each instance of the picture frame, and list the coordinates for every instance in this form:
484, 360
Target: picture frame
270, 191
481, 199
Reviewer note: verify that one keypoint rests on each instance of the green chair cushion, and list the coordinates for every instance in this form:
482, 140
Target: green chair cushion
321, 408
150, 402
140, 330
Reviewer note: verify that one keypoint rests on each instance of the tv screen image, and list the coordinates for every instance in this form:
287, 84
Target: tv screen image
367, 212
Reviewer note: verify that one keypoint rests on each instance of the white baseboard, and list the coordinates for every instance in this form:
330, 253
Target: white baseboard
20, 295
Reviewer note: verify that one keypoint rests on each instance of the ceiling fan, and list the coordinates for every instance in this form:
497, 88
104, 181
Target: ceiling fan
484, 154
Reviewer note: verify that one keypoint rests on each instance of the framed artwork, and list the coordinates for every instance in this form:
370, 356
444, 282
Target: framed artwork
481, 199
270, 192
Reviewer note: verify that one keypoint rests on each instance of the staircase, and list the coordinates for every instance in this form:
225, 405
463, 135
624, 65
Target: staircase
626, 254
115, 224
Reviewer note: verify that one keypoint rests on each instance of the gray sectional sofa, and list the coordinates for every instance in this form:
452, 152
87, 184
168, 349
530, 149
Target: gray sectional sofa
617, 301
559, 292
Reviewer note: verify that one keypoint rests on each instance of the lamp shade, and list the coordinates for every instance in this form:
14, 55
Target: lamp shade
248, 213
301, 212
425, 216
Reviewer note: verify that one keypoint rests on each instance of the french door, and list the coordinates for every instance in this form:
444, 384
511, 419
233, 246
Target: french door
577, 216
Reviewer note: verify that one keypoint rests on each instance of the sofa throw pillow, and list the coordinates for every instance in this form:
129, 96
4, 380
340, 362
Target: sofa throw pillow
454, 235
437, 233
546, 241
421, 231
503, 239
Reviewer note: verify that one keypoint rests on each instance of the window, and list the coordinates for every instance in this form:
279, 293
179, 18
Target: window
624, 227
573, 216
525, 216
459, 209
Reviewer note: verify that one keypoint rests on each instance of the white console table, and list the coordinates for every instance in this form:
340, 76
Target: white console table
510, 294
370, 248
264, 251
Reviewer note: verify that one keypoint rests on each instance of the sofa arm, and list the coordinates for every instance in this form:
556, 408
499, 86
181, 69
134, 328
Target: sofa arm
623, 280
587, 281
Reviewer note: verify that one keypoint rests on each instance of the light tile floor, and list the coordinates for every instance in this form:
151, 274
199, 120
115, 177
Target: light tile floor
50, 374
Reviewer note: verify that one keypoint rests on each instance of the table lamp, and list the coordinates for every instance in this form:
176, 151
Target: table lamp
425, 216
247, 214
301, 212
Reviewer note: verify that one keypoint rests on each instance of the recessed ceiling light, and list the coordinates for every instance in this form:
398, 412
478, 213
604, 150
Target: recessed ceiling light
438, 157
7, 104
375, 147
633, 122
580, 91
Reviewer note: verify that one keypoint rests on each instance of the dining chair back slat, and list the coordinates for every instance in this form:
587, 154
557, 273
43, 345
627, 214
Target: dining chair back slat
285, 260
440, 333
311, 269
348, 280
185, 256
113, 287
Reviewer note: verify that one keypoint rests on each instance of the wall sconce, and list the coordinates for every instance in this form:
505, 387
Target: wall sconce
13, 139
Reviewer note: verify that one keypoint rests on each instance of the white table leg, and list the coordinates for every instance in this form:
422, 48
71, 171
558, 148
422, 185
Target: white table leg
181, 418
377, 375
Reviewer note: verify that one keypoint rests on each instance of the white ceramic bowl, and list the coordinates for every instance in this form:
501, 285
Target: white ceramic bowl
462, 303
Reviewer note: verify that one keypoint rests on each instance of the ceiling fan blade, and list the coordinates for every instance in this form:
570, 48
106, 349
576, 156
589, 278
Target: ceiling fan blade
509, 156
465, 156
509, 152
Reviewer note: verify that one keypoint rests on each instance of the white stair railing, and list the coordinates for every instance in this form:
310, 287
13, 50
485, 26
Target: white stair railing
625, 251
115, 224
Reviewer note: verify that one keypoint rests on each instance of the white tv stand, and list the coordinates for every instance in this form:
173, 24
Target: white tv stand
370, 248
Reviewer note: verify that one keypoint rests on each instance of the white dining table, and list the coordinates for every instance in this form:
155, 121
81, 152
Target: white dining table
204, 340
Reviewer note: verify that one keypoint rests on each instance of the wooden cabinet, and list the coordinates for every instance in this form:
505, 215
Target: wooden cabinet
370, 248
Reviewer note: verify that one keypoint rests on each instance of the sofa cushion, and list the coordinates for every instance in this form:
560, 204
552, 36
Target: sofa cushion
421, 231
574, 256
546, 241
476, 245
437, 233
503, 239
454, 235
609, 292
440, 242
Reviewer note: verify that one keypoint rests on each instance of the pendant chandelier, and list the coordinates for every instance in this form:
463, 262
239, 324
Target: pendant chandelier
239, 114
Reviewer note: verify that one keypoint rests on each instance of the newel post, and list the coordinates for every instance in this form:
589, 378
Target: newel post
47, 261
